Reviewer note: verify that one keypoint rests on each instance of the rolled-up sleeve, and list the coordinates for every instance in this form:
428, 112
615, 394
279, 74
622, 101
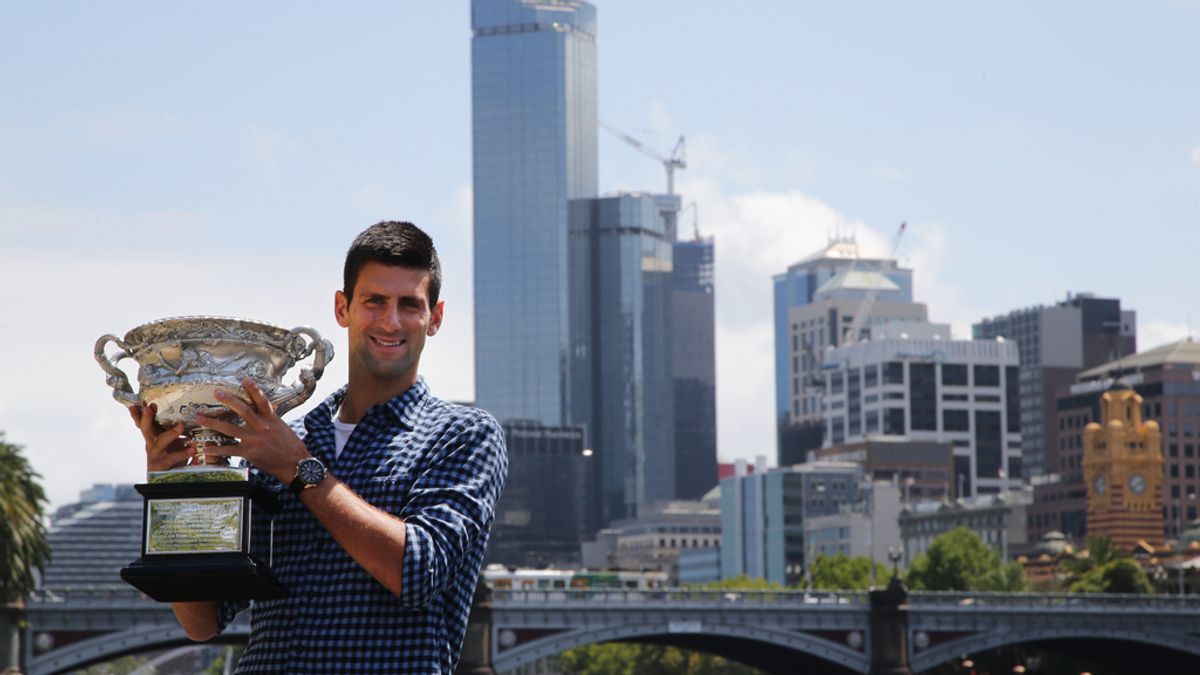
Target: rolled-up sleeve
450, 505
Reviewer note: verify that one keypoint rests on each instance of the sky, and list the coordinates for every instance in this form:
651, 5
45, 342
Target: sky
166, 159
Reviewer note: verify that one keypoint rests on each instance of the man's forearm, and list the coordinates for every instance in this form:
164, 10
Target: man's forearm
374, 538
198, 619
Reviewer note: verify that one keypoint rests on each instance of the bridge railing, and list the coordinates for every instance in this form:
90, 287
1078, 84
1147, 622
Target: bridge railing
1114, 601
89, 596
678, 596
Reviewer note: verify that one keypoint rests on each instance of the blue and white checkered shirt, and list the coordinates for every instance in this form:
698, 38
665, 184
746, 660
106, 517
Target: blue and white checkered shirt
440, 467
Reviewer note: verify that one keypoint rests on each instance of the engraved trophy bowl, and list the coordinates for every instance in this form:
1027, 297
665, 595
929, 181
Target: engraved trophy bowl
184, 361
207, 531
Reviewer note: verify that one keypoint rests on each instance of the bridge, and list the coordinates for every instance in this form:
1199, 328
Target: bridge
776, 631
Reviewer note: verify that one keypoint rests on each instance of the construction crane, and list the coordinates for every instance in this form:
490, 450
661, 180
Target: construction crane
854, 332
695, 218
677, 160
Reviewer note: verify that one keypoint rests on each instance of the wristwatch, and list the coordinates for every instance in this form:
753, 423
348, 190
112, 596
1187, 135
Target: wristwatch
309, 473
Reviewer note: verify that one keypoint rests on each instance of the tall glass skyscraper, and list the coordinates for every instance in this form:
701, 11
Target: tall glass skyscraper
694, 364
622, 376
534, 130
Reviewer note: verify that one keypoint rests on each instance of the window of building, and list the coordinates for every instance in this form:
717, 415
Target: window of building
893, 372
987, 376
956, 420
954, 374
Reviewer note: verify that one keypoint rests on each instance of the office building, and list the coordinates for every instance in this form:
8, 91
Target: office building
847, 280
763, 516
1055, 343
998, 519
867, 528
694, 367
1167, 378
92, 539
622, 385
916, 384
534, 124
551, 501
655, 539
922, 469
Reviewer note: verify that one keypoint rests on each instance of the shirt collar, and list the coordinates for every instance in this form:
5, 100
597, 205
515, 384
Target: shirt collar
403, 408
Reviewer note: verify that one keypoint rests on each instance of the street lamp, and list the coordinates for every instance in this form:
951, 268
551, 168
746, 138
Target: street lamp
819, 487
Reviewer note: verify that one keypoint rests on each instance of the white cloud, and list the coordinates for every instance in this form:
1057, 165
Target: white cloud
1157, 332
758, 235
1196, 156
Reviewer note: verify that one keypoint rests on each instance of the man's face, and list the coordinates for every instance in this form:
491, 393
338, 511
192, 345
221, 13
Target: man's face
388, 318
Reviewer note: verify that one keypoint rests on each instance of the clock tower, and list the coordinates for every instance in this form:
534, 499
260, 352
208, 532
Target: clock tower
1123, 467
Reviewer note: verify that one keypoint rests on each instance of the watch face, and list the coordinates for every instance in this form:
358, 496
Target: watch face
1137, 483
311, 471
1101, 484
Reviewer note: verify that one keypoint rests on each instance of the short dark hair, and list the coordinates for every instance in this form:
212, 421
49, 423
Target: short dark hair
393, 243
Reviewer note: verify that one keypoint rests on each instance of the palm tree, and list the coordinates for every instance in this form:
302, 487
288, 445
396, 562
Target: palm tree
23, 545
1100, 551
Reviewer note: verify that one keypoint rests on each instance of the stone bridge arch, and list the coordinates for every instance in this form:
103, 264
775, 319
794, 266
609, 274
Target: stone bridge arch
1182, 646
106, 646
766, 648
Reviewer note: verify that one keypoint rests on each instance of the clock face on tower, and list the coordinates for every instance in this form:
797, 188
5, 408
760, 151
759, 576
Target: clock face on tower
1137, 483
1101, 484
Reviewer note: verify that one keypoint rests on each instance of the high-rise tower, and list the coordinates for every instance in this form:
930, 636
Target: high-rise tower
534, 145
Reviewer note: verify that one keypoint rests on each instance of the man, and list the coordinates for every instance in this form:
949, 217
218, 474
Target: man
388, 493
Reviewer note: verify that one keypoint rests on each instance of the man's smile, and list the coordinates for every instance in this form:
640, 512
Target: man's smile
387, 344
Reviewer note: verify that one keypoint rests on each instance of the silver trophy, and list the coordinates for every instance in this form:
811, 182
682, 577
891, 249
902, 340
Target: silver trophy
207, 531
184, 361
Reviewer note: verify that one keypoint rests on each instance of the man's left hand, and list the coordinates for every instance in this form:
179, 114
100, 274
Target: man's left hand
265, 440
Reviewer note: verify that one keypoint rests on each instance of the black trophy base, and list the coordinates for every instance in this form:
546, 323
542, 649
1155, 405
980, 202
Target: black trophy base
190, 516
215, 576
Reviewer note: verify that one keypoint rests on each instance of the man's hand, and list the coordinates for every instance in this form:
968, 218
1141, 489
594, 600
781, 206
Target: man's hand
266, 441
165, 448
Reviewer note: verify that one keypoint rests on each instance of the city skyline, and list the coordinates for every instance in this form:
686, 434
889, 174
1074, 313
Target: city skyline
220, 162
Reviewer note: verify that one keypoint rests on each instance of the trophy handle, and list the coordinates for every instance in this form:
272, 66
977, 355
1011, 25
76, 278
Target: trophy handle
117, 379
322, 351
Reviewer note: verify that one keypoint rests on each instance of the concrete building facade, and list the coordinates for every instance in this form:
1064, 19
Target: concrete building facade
1055, 343
931, 388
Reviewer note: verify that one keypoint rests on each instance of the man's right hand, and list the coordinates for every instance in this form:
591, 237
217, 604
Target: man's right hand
165, 448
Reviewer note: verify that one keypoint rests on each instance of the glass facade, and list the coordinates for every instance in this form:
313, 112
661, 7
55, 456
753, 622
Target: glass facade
621, 363
694, 366
550, 505
534, 148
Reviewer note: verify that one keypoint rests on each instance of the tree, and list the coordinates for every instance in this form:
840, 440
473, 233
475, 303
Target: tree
958, 560
1118, 576
1100, 551
23, 545
842, 572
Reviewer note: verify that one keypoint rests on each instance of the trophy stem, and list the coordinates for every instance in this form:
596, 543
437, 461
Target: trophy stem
202, 438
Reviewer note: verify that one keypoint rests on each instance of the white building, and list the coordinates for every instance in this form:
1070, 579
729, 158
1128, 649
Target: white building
912, 382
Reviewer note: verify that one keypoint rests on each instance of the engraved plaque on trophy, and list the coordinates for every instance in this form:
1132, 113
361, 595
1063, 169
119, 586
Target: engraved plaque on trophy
207, 530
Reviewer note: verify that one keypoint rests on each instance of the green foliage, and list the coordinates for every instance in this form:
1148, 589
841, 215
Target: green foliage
630, 658
842, 572
23, 545
959, 561
1118, 576
1100, 551
1104, 568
